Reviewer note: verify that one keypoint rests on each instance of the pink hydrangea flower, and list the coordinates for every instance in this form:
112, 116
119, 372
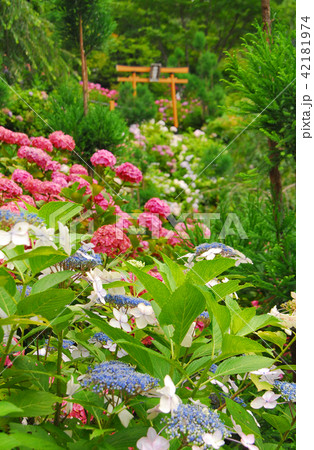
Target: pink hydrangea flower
130, 173
124, 217
20, 139
61, 140
51, 188
42, 143
11, 137
33, 185
103, 158
154, 273
156, 205
103, 201
53, 165
27, 199
110, 240
11, 206
9, 189
78, 169
6, 135
76, 178
60, 181
78, 412
36, 155
20, 175
150, 221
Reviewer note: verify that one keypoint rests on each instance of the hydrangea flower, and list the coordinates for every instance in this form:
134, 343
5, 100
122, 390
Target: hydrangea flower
152, 441
190, 423
110, 240
144, 315
20, 175
150, 221
120, 320
125, 300
130, 173
209, 251
42, 143
9, 189
118, 376
157, 206
268, 401
103, 158
62, 141
34, 155
287, 390
81, 260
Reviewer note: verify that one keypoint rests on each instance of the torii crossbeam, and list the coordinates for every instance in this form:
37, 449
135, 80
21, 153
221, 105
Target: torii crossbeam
155, 70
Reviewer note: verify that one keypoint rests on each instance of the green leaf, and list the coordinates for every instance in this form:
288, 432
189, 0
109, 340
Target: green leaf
48, 305
237, 345
245, 420
279, 337
32, 369
8, 293
158, 290
243, 364
223, 289
184, 305
55, 212
148, 360
125, 438
204, 271
281, 423
49, 281
7, 408
258, 322
172, 272
33, 403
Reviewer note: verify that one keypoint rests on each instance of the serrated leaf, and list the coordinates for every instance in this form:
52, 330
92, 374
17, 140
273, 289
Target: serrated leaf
48, 305
50, 280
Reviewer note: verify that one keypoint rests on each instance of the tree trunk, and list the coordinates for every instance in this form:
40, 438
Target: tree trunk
84, 68
266, 16
274, 153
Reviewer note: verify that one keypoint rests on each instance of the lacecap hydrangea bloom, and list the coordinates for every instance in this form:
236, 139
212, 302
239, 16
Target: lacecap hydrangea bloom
287, 390
118, 376
190, 422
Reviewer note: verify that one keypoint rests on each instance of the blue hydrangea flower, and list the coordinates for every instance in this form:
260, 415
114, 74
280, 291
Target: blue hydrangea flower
99, 337
82, 260
124, 300
190, 422
225, 249
28, 290
67, 343
116, 375
287, 390
8, 218
204, 315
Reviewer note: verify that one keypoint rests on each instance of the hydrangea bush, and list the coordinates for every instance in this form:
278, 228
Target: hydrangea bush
110, 340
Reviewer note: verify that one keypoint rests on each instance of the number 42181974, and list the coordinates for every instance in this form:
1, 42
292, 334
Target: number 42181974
305, 47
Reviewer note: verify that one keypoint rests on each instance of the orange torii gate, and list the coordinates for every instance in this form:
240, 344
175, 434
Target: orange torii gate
154, 76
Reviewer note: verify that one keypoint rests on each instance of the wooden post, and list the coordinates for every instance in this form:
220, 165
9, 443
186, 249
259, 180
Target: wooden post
84, 68
134, 83
174, 101
112, 105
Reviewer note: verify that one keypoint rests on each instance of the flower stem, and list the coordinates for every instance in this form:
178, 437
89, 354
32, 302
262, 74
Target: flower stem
59, 362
